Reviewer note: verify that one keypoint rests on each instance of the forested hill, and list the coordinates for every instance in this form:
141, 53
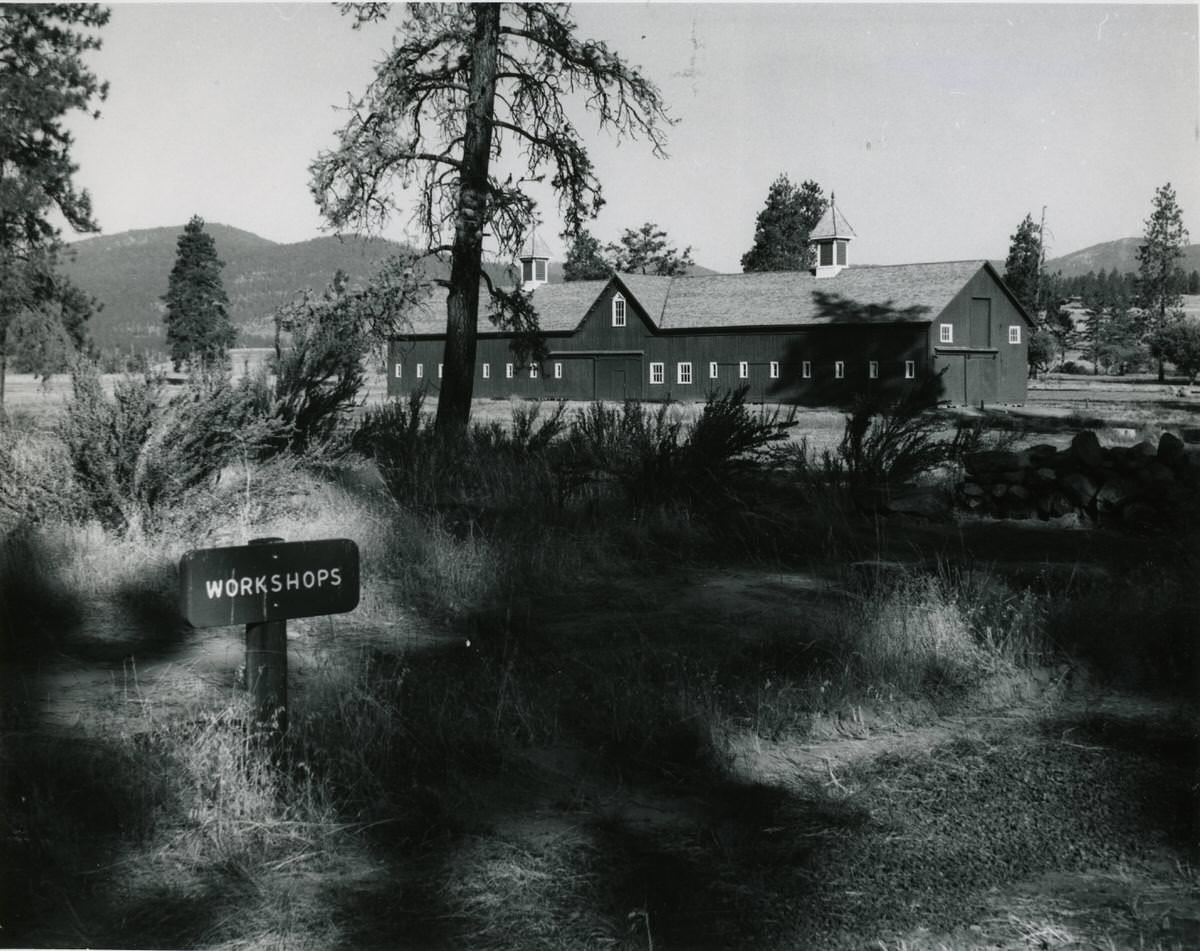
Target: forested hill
1120, 254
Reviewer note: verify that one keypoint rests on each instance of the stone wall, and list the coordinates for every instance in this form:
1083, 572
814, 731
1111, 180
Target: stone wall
1146, 482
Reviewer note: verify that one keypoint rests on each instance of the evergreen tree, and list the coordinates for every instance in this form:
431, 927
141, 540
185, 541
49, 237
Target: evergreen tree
585, 260
645, 251
199, 330
1193, 286
462, 84
42, 80
1022, 268
1179, 343
783, 226
1164, 240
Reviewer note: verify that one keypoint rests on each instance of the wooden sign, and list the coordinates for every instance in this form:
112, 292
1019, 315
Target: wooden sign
254, 584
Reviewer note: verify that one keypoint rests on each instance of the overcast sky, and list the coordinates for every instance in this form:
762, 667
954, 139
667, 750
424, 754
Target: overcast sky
938, 126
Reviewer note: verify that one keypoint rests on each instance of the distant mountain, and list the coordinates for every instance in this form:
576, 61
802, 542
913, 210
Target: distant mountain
1121, 254
128, 272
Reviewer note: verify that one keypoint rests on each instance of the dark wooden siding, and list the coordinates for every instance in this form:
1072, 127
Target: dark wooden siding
599, 359
981, 365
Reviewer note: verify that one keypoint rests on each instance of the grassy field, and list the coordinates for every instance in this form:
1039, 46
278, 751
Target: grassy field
768, 723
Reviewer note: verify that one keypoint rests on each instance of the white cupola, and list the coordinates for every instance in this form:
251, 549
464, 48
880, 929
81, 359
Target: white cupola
830, 239
535, 263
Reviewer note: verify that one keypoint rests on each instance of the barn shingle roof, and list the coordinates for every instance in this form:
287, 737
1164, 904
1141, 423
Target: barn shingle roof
860, 294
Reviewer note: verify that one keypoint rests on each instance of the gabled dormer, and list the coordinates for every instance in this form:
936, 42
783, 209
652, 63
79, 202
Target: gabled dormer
535, 263
830, 240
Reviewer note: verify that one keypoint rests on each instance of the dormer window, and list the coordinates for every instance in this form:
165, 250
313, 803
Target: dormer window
618, 311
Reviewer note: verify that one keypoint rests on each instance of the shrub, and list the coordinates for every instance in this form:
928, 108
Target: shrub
34, 485
105, 439
133, 457
891, 443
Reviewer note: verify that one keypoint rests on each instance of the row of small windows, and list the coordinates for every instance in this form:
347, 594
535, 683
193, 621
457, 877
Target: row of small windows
683, 371
946, 333
486, 369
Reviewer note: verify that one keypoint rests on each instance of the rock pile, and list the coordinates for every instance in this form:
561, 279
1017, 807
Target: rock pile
1137, 483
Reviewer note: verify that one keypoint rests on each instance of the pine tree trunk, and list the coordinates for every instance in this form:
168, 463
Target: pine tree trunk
462, 303
3, 367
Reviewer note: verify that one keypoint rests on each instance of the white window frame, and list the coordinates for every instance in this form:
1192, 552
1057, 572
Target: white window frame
945, 333
839, 369
558, 371
487, 371
806, 369
508, 371
773, 371
533, 371
910, 369
743, 370
683, 373
657, 374
439, 371
399, 367
420, 370
714, 369
872, 369
1014, 333
619, 318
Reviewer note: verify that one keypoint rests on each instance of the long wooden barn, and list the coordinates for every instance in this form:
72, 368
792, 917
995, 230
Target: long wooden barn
818, 337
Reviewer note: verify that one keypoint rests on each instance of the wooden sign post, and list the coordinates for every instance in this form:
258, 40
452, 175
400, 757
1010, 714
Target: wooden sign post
261, 585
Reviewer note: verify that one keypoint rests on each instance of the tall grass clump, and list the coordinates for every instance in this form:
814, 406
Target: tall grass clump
915, 631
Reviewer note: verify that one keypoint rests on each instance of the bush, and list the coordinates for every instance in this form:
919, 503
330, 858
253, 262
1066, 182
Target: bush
133, 457
34, 485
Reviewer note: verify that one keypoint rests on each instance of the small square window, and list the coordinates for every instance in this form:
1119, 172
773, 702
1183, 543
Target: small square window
910, 369
487, 371
713, 370
656, 373
839, 369
873, 370
774, 370
618, 311
439, 371
946, 333
683, 373
533, 371
558, 371
527, 270
743, 370
398, 367
1014, 333
420, 370
539, 269
806, 369
508, 371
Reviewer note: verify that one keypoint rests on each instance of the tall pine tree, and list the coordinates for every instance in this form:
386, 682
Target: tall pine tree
585, 259
1158, 256
43, 79
645, 251
199, 330
1022, 268
461, 85
782, 227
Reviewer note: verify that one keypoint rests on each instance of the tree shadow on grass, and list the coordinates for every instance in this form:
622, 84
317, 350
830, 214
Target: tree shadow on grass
68, 804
